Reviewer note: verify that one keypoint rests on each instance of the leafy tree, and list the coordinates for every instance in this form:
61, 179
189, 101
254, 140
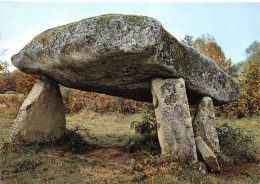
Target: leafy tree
3, 64
253, 53
253, 50
188, 40
2, 83
251, 86
249, 80
3, 71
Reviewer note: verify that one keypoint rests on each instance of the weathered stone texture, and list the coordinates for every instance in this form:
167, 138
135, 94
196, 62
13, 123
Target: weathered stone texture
119, 55
41, 116
207, 154
204, 124
175, 131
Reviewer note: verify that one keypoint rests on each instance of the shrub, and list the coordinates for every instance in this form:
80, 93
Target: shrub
10, 104
3, 101
73, 141
147, 139
14, 104
249, 103
237, 143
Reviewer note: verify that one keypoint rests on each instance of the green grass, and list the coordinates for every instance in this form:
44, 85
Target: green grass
110, 162
29, 165
6, 124
110, 129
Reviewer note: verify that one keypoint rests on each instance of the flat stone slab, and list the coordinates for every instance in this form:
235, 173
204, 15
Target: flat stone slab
41, 116
172, 112
119, 55
207, 154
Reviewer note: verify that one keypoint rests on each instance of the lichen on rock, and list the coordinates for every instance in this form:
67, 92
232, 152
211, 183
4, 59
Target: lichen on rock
204, 124
173, 117
119, 55
41, 116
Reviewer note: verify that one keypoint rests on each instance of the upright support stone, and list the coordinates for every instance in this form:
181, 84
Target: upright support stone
172, 112
204, 124
41, 116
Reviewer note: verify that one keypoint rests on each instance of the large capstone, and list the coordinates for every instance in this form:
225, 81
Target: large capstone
41, 116
119, 55
172, 112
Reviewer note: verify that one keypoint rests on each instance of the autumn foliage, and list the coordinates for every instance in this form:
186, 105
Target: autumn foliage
2, 80
26, 82
11, 104
76, 100
2, 83
249, 104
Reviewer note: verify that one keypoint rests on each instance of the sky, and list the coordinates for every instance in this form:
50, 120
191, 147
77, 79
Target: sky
234, 25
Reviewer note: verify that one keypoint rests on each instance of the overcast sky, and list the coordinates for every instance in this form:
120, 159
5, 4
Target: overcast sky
234, 25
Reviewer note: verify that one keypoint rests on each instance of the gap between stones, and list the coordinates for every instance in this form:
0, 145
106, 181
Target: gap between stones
42, 116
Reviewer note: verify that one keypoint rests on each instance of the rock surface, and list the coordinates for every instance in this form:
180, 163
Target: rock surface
172, 112
41, 116
204, 124
119, 55
208, 156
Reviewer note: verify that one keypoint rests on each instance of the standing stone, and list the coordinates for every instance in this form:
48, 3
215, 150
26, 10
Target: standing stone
42, 115
207, 154
172, 112
204, 124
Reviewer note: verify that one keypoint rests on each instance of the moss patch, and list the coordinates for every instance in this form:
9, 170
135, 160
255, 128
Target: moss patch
133, 19
108, 17
176, 45
45, 37
48, 35
136, 20
174, 57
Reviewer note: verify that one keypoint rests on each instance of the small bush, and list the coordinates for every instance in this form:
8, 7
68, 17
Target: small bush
237, 143
10, 104
147, 140
248, 104
3, 101
73, 141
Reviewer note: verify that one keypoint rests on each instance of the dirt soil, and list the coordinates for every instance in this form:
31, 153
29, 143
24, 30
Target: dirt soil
232, 171
120, 158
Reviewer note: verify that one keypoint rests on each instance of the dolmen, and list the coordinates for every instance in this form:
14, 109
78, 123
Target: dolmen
131, 57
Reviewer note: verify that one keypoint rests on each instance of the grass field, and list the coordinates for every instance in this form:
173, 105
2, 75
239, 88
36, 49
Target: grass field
109, 161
